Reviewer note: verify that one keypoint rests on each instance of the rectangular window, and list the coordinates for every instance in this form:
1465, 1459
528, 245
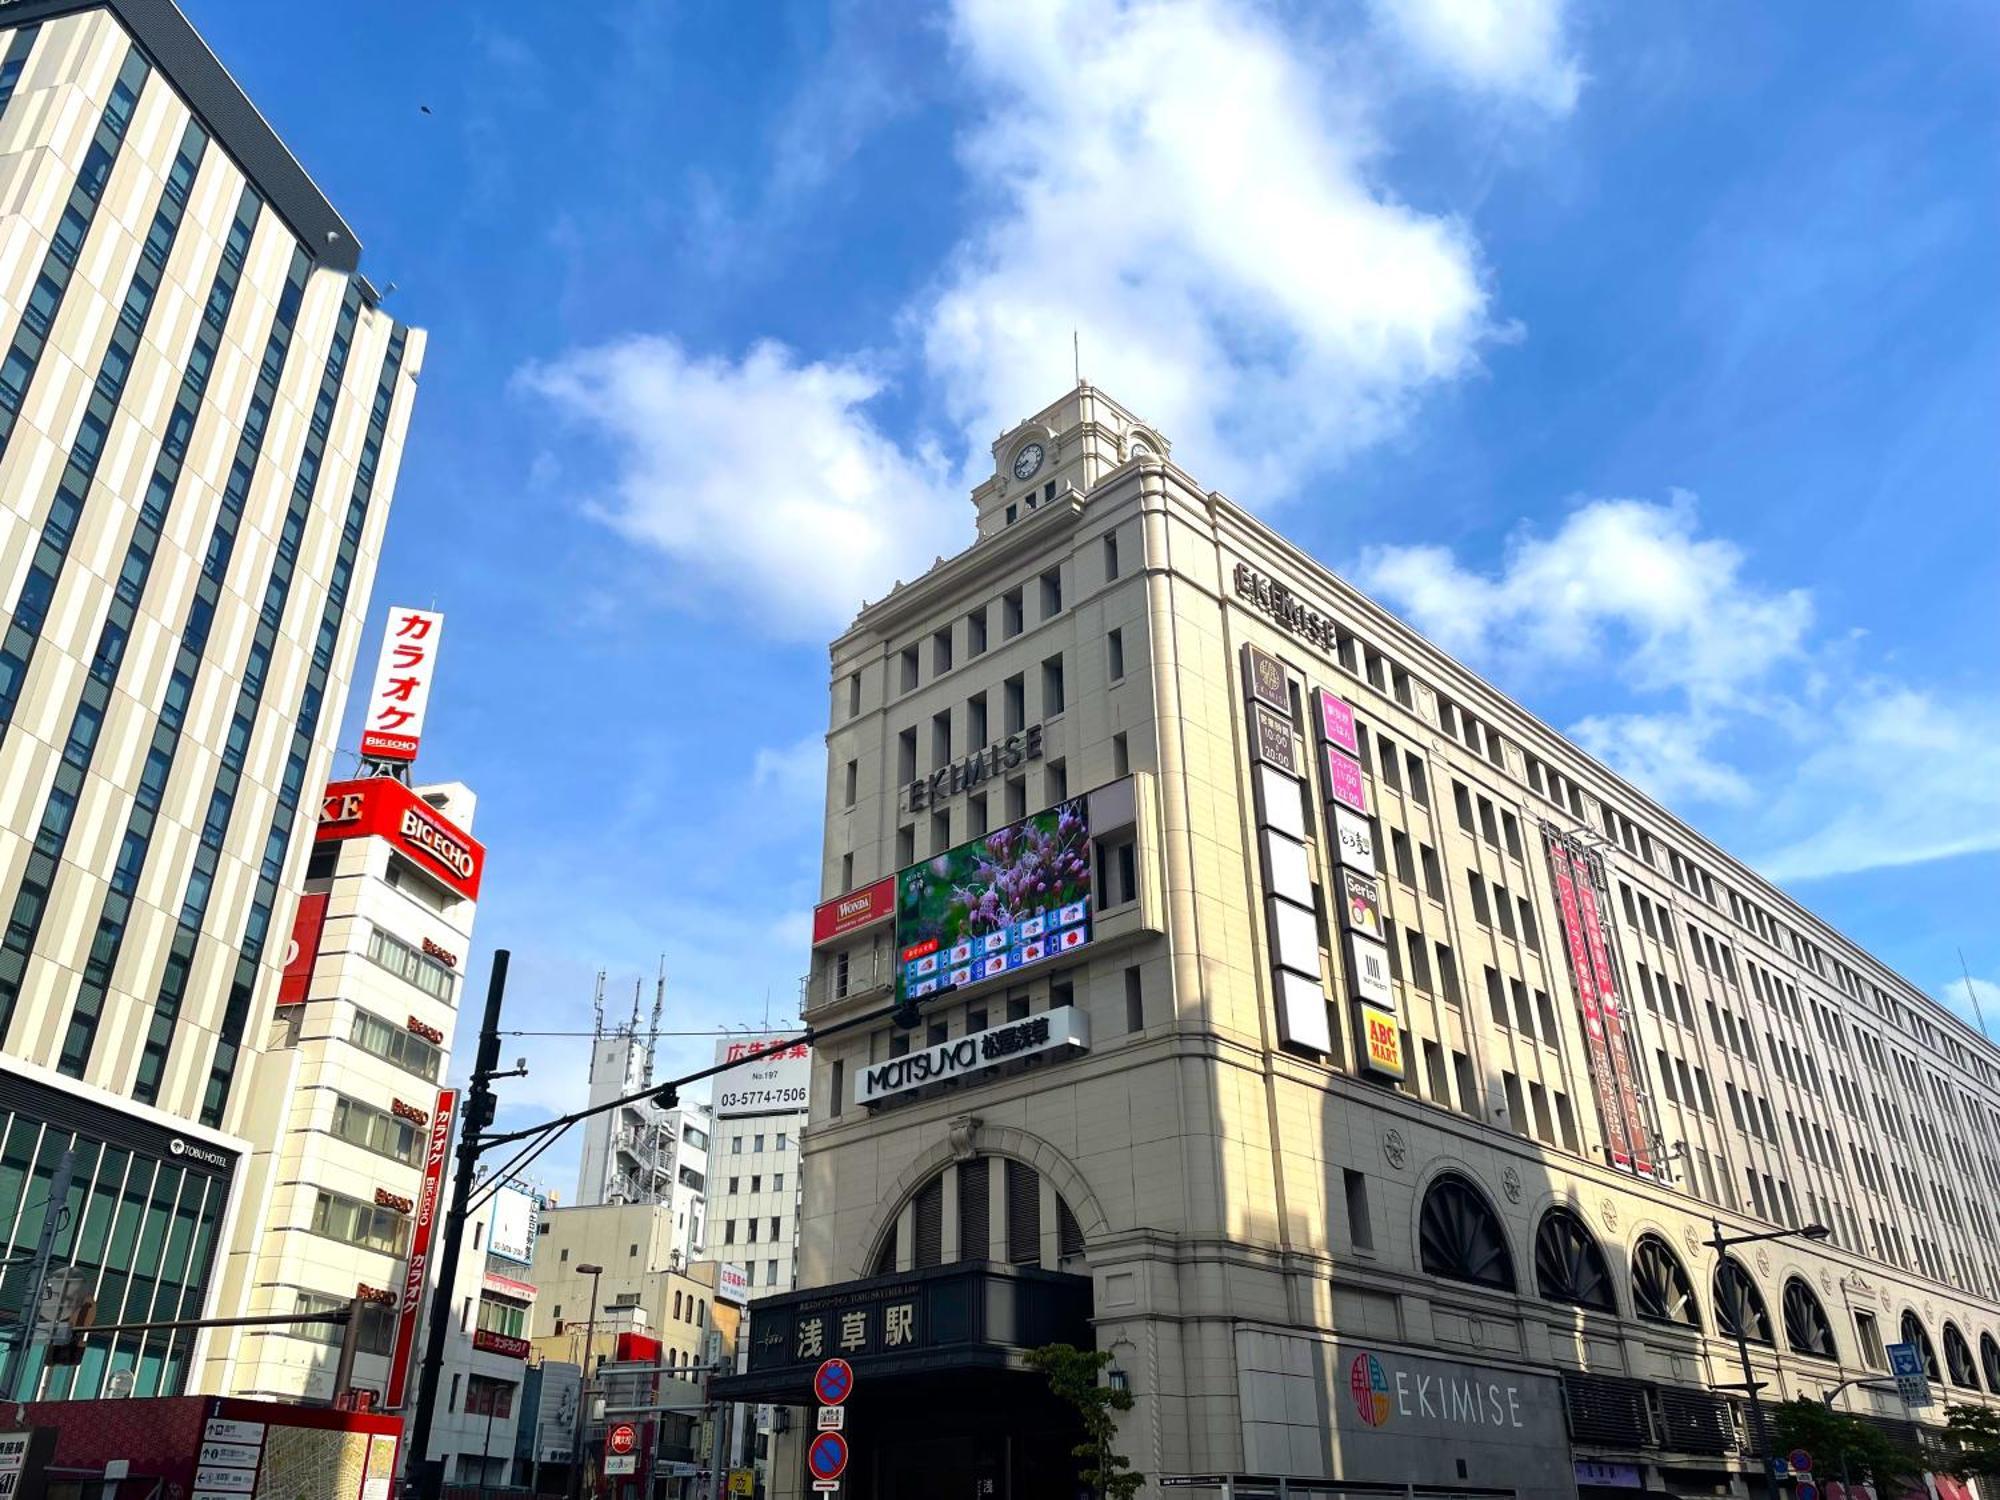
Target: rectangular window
1496, 997
906, 845
1051, 593
1447, 968
975, 632
1547, 1014
909, 668
353, 1222
1052, 686
1530, 933
1135, 1002
1420, 787
1055, 781
853, 694
1462, 802
1433, 872
1870, 1339
1013, 704
1434, 1071
1399, 846
408, 963
850, 783
1121, 754
1110, 556
396, 1044
1481, 911
376, 1130
839, 1086
1017, 799
1545, 1128
906, 755
975, 815
1360, 1233
1566, 1120
1011, 621
1114, 652
1468, 1093
940, 740
1517, 1109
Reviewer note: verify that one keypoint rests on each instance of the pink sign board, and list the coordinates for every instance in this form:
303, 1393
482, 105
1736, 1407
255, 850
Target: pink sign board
1343, 780
1336, 722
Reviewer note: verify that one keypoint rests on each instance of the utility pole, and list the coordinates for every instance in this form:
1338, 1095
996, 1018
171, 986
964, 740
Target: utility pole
429, 1472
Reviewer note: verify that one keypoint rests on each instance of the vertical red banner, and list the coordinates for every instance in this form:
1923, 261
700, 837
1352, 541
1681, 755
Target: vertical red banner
1603, 1074
410, 1305
1612, 1007
304, 951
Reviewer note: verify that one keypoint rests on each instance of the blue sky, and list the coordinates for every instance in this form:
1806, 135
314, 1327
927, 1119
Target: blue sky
1645, 355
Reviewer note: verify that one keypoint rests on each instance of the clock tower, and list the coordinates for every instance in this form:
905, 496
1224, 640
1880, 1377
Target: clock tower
1070, 445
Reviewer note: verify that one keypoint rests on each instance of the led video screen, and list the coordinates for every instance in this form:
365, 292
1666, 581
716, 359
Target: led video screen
1011, 898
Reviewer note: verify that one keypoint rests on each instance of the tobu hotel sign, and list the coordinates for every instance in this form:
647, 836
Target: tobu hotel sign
380, 807
393, 726
854, 911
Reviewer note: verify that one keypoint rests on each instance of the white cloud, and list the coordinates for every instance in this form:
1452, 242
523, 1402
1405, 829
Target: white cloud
1630, 576
765, 479
1514, 48
795, 773
1894, 776
1195, 191
1829, 767
1977, 1000
1668, 755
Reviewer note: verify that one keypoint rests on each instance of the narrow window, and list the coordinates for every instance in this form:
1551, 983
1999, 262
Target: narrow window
941, 652
853, 694
1359, 1231
1014, 704
975, 632
1135, 1002
1052, 687
1051, 593
1115, 654
1110, 556
1010, 614
1121, 755
909, 668
850, 783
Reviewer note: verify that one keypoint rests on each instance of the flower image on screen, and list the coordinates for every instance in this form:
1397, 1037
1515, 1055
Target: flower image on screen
1013, 898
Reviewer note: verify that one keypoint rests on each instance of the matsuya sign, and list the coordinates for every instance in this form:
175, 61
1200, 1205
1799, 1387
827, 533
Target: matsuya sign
1065, 1026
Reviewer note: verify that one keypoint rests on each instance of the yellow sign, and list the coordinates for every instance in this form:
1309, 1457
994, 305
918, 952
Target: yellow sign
1385, 1043
742, 1482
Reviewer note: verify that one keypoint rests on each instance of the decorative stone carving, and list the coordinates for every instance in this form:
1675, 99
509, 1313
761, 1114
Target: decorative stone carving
1693, 1243
1395, 1148
1608, 1211
1763, 1261
963, 1134
1510, 1183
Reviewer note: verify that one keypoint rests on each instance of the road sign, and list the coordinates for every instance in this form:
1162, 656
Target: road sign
1906, 1363
827, 1457
1800, 1460
621, 1439
1779, 1468
1806, 1490
826, 1486
832, 1418
742, 1481
833, 1382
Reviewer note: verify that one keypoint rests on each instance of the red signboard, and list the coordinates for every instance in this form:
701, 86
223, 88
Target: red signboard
304, 952
501, 1343
636, 1349
1603, 1078
379, 807
1612, 1009
395, 723
437, 1152
854, 911
621, 1439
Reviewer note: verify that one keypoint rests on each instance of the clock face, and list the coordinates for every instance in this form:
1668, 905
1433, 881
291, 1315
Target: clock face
1027, 461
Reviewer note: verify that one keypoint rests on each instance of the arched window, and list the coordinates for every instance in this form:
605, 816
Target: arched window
1568, 1265
1989, 1356
969, 1211
1913, 1333
1461, 1238
1661, 1290
1806, 1327
1958, 1358
1739, 1306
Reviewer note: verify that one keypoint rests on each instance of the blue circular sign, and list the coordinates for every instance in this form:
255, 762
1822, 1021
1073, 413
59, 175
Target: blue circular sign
1806, 1490
827, 1457
833, 1382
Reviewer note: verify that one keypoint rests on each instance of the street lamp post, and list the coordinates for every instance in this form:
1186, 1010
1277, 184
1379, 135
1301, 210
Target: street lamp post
583, 1385
1760, 1442
1867, 1383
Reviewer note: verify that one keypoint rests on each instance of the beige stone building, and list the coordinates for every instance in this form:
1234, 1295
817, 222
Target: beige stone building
1380, 1125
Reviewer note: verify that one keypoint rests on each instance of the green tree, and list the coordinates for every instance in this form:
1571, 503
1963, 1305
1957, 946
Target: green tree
1835, 1439
1073, 1374
1976, 1431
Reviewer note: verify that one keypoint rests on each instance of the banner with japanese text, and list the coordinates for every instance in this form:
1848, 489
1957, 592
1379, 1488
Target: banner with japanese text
1603, 1072
394, 723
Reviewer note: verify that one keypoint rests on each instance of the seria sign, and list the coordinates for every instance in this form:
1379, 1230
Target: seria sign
1065, 1026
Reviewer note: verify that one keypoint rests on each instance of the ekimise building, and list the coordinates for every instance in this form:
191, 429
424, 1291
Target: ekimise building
1304, 1023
